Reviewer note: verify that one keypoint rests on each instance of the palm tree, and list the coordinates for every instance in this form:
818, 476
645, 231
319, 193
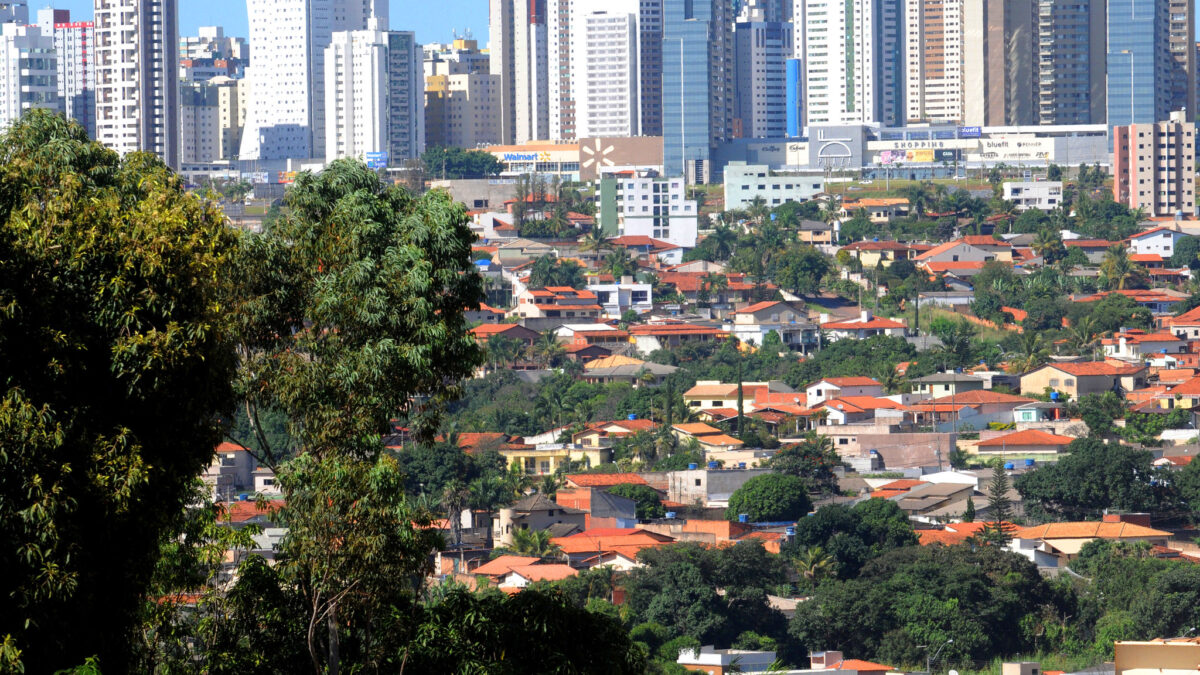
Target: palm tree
547, 350
758, 209
1082, 335
534, 543
724, 241
714, 283
892, 381
549, 485
502, 351
1047, 243
1117, 270
814, 564
618, 263
1030, 354
595, 240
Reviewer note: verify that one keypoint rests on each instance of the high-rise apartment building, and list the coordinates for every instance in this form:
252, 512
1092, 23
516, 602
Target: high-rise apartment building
210, 42
998, 62
74, 43
1154, 166
604, 67
14, 11
855, 61
374, 95
762, 48
1069, 86
462, 98
519, 51
697, 84
1181, 27
406, 98
650, 61
561, 82
285, 116
1139, 62
137, 66
28, 72
933, 60
210, 120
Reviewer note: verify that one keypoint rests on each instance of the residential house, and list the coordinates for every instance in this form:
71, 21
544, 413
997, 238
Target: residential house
649, 338
880, 210
558, 302
858, 410
1094, 249
622, 296
975, 408
714, 394
1023, 443
599, 334
641, 373
946, 384
817, 233
602, 434
1163, 656
707, 487
586, 353
652, 250
1186, 326
836, 387
534, 512
873, 253
1134, 344
983, 249
584, 545
711, 439
929, 497
484, 314
951, 534
230, 473
1037, 411
511, 331
496, 569
713, 661
1044, 195
1160, 240
546, 458
834, 660
753, 323
861, 328
1063, 541
1158, 301
1085, 377
1184, 395
523, 575
602, 508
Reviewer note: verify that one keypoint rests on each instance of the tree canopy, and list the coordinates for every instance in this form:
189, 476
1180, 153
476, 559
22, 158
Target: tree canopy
770, 497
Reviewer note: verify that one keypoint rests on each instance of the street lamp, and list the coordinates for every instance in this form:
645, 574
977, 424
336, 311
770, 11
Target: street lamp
930, 659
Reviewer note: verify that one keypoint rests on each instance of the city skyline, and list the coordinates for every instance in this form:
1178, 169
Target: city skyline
427, 20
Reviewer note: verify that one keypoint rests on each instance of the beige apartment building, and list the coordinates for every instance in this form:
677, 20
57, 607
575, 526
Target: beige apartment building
933, 44
1154, 166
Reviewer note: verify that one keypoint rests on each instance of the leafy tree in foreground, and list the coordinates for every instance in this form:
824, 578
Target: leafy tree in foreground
770, 498
1094, 476
114, 368
813, 459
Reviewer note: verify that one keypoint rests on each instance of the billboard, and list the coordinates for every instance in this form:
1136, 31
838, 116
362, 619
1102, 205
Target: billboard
970, 132
946, 155
925, 155
377, 160
287, 177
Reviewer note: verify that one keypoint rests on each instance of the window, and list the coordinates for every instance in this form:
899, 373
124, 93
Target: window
1054, 382
843, 441
697, 482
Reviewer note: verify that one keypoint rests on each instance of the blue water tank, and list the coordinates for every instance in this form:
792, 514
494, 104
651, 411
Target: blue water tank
243, 497
789, 531
741, 465
692, 466
713, 465
743, 517
1008, 466
671, 515
631, 417
1029, 462
1054, 396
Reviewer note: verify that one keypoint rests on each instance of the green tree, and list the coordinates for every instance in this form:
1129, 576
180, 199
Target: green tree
551, 271
116, 370
800, 270
1186, 253
814, 565
1189, 485
1000, 510
770, 498
534, 543
1093, 476
1118, 271
649, 503
969, 512
813, 459
455, 163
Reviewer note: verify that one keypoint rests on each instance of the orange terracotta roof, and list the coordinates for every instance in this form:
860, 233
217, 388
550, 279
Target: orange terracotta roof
1089, 530
876, 201
984, 240
226, 446
493, 328
1088, 368
854, 324
850, 381
697, 429
980, 397
672, 329
859, 665
1088, 243
902, 484
710, 390
718, 439
1145, 257
1190, 318
240, 512
949, 266
603, 480
887, 494
1026, 437
503, 565
545, 572
1188, 388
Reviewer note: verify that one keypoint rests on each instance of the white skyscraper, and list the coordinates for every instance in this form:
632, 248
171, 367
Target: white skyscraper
374, 95
853, 62
73, 42
356, 95
137, 66
286, 80
28, 72
519, 52
762, 48
604, 68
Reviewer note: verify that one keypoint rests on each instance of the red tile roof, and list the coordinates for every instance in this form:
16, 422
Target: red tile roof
1089, 530
604, 480
851, 381
1026, 437
980, 397
503, 565
545, 572
875, 323
1088, 243
859, 665
1093, 368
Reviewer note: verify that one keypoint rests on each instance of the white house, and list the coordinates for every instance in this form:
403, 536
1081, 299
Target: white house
1160, 240
647, 205
1042, 194
617, 298
861, 328
837, 387
754, 323
1137, 344
744, 182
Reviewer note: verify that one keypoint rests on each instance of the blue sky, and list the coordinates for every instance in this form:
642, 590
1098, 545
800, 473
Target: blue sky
433, 20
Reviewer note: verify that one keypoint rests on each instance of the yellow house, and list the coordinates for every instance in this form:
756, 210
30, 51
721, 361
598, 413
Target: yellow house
544, 459
1177, 656
1081, 378
1185, 395
871, 253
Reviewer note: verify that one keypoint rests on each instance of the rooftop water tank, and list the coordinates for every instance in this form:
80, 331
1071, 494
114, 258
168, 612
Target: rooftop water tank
692, 466
1028, 462
670, 515
1008, 466
713, 465
631, 417
743, 517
